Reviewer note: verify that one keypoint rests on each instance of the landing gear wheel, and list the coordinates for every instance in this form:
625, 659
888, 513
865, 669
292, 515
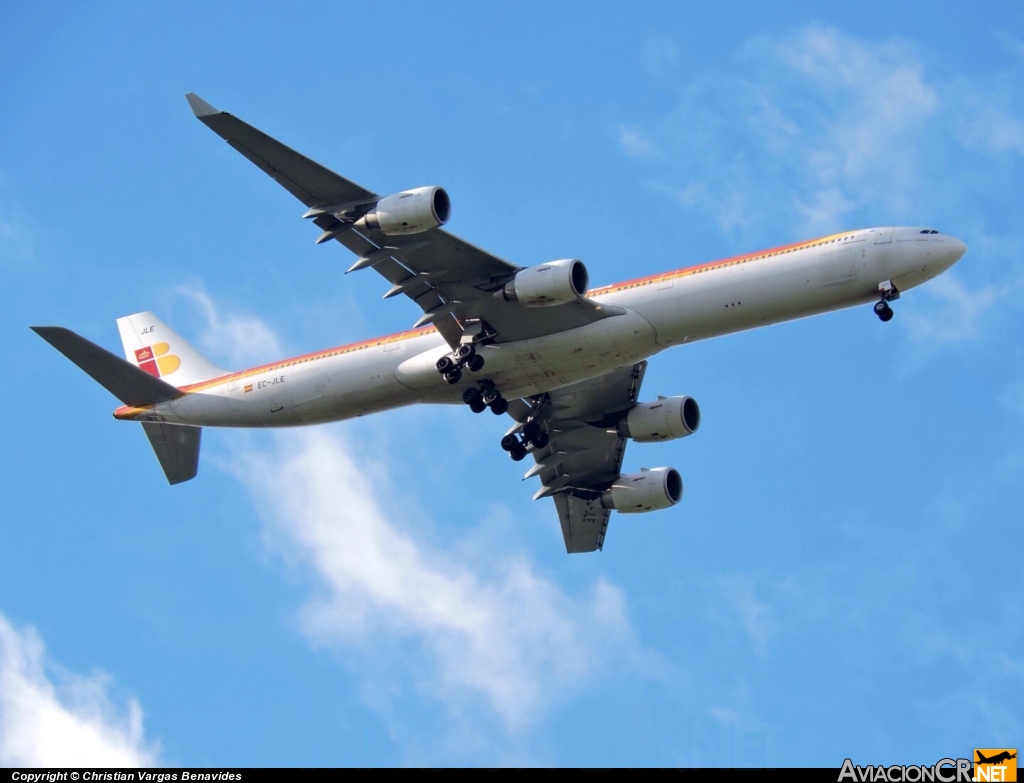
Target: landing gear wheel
477, 406
883, 311
541, 440
464, 351
490, 395
445, 365
518, 453
499, 406
510, 443
472, 393
453, 376
475, 363
531, 430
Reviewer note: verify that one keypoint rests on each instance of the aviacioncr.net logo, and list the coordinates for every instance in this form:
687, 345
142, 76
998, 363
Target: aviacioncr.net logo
995, 764
942, 771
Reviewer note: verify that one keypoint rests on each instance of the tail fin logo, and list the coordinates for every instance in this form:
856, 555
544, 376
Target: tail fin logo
156, 360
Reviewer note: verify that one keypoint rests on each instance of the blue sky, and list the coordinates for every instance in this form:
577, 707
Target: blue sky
842, 577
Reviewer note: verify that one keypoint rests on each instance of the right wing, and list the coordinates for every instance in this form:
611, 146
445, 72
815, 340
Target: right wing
584, 455
451, 280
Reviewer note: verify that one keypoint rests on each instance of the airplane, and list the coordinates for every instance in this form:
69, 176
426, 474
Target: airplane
565, 361
996, 759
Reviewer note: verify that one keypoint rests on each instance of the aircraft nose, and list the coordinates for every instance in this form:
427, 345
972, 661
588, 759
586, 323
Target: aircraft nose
956, 252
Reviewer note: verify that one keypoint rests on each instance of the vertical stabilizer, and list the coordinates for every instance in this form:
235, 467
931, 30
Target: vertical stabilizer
154, 347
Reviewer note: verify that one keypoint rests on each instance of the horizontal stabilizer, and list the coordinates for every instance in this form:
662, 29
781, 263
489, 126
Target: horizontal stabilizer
128, 383
177, 448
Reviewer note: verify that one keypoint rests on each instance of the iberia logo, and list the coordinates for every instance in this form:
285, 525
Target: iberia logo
155, 360
995, 764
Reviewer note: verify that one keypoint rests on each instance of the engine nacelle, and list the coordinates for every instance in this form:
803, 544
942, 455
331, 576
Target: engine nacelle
554, 283
648, 490
409, 212
666, 419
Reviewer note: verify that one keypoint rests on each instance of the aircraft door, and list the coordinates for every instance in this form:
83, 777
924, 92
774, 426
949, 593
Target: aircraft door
841, 265
883, 236
234, 391
309, 383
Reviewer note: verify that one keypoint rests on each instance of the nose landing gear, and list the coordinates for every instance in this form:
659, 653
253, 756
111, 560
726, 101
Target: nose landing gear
887, 292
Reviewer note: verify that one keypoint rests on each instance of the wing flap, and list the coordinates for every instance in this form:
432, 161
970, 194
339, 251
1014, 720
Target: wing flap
584, 454
584, 523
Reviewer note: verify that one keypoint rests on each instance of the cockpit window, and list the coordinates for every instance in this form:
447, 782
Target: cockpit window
929, 231
925, 231
933, 231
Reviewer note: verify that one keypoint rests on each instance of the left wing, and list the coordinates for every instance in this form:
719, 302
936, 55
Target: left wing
451, 280
584, 455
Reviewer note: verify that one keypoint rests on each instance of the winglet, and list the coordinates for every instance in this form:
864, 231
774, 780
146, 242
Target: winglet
200, 107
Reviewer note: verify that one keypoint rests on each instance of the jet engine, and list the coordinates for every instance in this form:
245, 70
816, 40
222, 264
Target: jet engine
409, 212
554, 283
648, 490
666, 419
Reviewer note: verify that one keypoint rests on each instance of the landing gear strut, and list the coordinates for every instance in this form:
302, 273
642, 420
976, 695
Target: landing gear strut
887, 292
531, 434
485, 396
450, 366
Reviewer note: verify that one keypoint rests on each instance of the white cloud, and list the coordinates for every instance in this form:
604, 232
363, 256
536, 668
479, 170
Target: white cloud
736, 603
1011, 43
985, 125
71, 722
817, 128
659, 55
762, 606
1012, 397
819, 131
234, 338
17, 242
494, 628
636, 143
954, 313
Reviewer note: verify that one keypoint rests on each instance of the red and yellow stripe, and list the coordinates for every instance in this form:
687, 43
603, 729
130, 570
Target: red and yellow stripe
719, 264
130, 412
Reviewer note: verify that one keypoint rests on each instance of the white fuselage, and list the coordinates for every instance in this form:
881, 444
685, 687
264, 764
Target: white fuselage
661, 311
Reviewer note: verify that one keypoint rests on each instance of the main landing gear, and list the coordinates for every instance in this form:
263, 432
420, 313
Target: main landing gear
887, 293
465, 355
485, 396
530, 435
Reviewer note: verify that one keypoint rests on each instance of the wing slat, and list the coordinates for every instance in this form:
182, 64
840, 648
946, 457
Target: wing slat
460, 270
